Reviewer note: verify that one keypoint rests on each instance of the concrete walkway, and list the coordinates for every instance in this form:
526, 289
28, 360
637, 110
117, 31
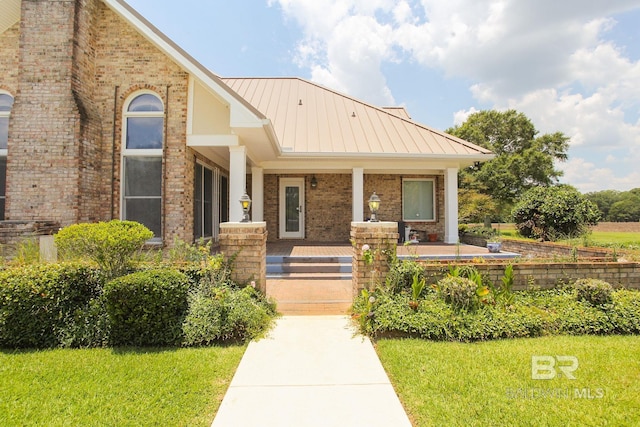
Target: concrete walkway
311, 371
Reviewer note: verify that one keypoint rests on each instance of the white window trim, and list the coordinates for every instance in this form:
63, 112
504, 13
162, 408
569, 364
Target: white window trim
4, 151
126, 152
435, 210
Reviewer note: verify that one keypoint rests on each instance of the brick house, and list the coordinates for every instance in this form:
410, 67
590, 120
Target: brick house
102, 117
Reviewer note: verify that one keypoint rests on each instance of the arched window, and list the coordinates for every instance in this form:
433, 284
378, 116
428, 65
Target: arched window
6, 103
143, 130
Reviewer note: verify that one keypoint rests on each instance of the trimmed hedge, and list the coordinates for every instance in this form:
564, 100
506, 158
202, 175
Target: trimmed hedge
39, 303
147, 308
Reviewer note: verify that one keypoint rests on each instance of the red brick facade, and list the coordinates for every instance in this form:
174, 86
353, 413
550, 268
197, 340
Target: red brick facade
72, 66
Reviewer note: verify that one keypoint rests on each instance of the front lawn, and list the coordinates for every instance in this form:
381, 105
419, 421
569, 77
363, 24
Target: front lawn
490, 383
115, 386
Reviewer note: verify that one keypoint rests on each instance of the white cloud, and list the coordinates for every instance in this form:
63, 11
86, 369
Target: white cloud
547, 58
587, 177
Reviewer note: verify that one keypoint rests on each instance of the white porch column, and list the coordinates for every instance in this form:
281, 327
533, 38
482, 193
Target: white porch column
357, 197
257, 194
451, 205
237, 180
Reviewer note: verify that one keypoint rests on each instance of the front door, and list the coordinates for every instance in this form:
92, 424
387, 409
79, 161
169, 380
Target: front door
292, 208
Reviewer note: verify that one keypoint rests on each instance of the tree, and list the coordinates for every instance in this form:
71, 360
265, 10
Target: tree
626, 210
617, 206
605, 200
551, 213
522, 161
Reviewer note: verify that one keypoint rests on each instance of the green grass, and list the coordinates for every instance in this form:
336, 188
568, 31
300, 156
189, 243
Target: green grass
489, 383
172, 387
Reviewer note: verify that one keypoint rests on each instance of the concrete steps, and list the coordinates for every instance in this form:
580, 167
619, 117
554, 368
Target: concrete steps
308, 268
310, 285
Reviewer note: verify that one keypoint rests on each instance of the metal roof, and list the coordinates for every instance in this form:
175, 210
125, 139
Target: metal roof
309, 118
9, 14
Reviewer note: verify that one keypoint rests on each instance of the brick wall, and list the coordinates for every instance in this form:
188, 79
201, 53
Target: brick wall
45, 129
327, 207
125, 63
9, 45
249, 242
540, 249
389, 188
548, 275
381, 237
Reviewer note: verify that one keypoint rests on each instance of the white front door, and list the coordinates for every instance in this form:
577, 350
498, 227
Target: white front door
292, 208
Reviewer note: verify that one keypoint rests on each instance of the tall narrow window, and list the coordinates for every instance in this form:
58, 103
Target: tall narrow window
142, 162
6, 103
418, 200
207, 202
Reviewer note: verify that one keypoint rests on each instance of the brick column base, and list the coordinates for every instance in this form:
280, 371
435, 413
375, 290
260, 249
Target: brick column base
249, 242
382, 238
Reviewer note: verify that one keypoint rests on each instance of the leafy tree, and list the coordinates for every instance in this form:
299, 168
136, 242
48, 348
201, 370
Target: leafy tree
626, 210
551, 213
523, 160
474, 206
627, 204
605, 200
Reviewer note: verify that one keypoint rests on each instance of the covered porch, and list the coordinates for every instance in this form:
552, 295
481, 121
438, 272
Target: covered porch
427, 250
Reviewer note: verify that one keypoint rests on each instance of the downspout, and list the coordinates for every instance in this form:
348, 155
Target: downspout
113, 150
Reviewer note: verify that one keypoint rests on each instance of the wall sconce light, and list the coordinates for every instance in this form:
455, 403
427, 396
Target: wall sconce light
314, 182
374, 205
245, 201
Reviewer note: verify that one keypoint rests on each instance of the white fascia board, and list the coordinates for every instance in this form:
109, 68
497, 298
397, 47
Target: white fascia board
212, 141
241, 113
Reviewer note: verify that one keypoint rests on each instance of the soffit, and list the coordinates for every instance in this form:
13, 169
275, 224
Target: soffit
309, 119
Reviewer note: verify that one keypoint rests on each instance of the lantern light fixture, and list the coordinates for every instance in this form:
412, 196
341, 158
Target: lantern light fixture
374, 206
245, 201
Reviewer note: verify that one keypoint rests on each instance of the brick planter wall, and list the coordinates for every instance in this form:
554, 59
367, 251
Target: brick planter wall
549, 275
539, 249
249, 242
381, 237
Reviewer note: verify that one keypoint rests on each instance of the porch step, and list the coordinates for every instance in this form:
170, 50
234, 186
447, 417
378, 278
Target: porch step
311, 297
309, 267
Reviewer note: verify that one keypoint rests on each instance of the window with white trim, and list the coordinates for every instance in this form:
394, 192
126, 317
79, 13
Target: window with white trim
143, 134
418, 199
6, 104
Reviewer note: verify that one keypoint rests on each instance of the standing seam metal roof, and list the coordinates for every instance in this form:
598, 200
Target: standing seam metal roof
309, 118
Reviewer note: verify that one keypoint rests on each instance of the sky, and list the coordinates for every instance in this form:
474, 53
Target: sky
570, 65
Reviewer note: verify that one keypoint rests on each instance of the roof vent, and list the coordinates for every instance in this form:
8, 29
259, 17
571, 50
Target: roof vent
300, 102
353, 114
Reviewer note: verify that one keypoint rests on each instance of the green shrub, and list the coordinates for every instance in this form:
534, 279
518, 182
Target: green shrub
38, 303
401, 273
220, 312
551, 213
147, 308
460, 292
109, 244
594, 291
530, 314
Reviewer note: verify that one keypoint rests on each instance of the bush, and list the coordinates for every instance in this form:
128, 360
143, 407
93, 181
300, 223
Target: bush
529, 314
594, 291
109, 244
38, 303
222, 312
551, 213
147, 308
401, 273
460, 292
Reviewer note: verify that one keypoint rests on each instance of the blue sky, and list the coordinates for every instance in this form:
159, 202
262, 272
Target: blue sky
569, 65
